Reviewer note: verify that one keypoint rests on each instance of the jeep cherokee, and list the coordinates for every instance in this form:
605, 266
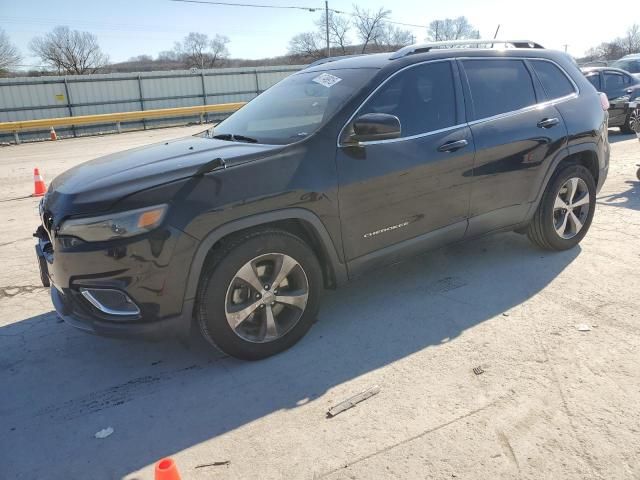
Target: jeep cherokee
344, 166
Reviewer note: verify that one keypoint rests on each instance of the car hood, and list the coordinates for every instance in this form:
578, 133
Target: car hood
95, 185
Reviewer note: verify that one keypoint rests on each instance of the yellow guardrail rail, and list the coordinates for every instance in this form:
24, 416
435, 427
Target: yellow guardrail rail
116, 118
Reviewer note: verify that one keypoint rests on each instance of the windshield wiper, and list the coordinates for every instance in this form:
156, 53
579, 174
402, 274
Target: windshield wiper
235, 138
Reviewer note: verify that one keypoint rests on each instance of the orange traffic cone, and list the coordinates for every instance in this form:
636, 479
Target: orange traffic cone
39, 188
52, 134
166, 470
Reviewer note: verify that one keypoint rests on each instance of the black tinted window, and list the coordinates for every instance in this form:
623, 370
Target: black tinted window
499, 86
555, 83
422, 97
594, 78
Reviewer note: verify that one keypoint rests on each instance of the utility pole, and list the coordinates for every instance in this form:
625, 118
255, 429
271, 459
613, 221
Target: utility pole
326, 19
566, 46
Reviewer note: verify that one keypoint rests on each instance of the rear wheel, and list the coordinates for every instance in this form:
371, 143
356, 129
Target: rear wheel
259, 294
565, 211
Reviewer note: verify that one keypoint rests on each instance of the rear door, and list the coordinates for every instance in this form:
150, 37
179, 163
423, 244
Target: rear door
514, 132
400, 189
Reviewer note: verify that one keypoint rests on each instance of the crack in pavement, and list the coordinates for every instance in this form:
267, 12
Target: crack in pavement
13, 290
414, 437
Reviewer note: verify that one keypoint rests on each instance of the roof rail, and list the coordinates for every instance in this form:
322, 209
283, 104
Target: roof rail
332, 59
425, 47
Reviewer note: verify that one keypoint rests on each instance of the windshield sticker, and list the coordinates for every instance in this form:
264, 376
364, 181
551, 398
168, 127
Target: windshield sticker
327, 80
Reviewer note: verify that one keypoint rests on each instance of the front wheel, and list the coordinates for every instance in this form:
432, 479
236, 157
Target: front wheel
259, 294
565, 211
632, 123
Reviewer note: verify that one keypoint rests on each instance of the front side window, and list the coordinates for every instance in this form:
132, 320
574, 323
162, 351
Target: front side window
555, 83
499, 86
594, 79
293, 108
422, 97
613, 82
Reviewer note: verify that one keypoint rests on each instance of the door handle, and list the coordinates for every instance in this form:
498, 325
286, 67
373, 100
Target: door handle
453, 146
548, 122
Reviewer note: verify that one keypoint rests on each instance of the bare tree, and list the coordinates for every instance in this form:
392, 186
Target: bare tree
197, 50
69, 51
631, 41
307, 45
606, 51
9, 56
339, 27
391, 38
451, 29
369, 25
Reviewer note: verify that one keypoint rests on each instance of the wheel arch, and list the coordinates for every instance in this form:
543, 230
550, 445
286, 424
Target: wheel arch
297, 221
585, 154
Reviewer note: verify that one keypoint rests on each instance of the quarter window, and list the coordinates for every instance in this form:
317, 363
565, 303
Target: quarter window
499, 86
555, 83
422, 97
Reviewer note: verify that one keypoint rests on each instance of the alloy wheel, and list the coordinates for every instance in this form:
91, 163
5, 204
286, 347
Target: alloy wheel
266, 298
634, 120
571, 208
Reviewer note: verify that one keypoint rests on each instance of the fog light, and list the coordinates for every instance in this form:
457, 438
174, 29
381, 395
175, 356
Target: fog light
109, 301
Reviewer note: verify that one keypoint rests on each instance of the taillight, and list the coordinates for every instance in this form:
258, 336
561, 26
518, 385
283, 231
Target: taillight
604, 101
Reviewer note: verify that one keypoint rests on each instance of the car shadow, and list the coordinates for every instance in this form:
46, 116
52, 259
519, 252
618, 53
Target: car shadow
616, 136
630, 198
62, 386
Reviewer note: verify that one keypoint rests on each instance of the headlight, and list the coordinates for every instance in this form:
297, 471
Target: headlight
117, 225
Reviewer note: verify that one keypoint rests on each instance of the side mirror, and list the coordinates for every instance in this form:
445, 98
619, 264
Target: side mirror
375, 126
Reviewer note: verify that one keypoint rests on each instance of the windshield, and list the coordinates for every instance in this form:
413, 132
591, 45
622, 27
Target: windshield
293, 108
631, 66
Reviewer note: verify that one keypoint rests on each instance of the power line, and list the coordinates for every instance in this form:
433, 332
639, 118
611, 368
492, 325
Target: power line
253, 5
289, 7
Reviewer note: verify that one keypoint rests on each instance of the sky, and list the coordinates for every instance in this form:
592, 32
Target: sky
135, 27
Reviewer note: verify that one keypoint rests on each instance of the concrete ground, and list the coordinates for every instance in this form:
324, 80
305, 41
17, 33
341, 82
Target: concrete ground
553, 402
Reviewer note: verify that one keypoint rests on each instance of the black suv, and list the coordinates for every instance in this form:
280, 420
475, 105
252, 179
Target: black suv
339, 168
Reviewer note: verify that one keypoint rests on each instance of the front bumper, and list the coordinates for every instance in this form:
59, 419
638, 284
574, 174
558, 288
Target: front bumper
178, 326
151, 270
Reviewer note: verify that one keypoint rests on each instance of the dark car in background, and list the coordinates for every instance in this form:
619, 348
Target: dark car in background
340, 168
629, 63
622, 90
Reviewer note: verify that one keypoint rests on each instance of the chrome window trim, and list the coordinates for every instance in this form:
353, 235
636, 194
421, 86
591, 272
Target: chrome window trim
511, 113
412, 137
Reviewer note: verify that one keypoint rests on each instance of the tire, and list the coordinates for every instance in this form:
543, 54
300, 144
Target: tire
278, 317
631, 123
556, 228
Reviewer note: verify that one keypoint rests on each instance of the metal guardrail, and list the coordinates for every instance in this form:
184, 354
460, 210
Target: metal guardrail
105, 118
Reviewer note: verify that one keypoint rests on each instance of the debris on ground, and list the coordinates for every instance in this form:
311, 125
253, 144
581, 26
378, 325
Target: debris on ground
583, 327
351, 402
478, 370
214, 464
104, 433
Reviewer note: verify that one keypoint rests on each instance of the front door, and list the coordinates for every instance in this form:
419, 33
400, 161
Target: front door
395, 190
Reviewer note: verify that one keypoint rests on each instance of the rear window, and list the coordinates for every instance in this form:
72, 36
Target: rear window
555, 83
499, 86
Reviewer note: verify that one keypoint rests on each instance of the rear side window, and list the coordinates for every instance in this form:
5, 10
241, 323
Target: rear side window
555, 83
594, 79
422, 97
499, 86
